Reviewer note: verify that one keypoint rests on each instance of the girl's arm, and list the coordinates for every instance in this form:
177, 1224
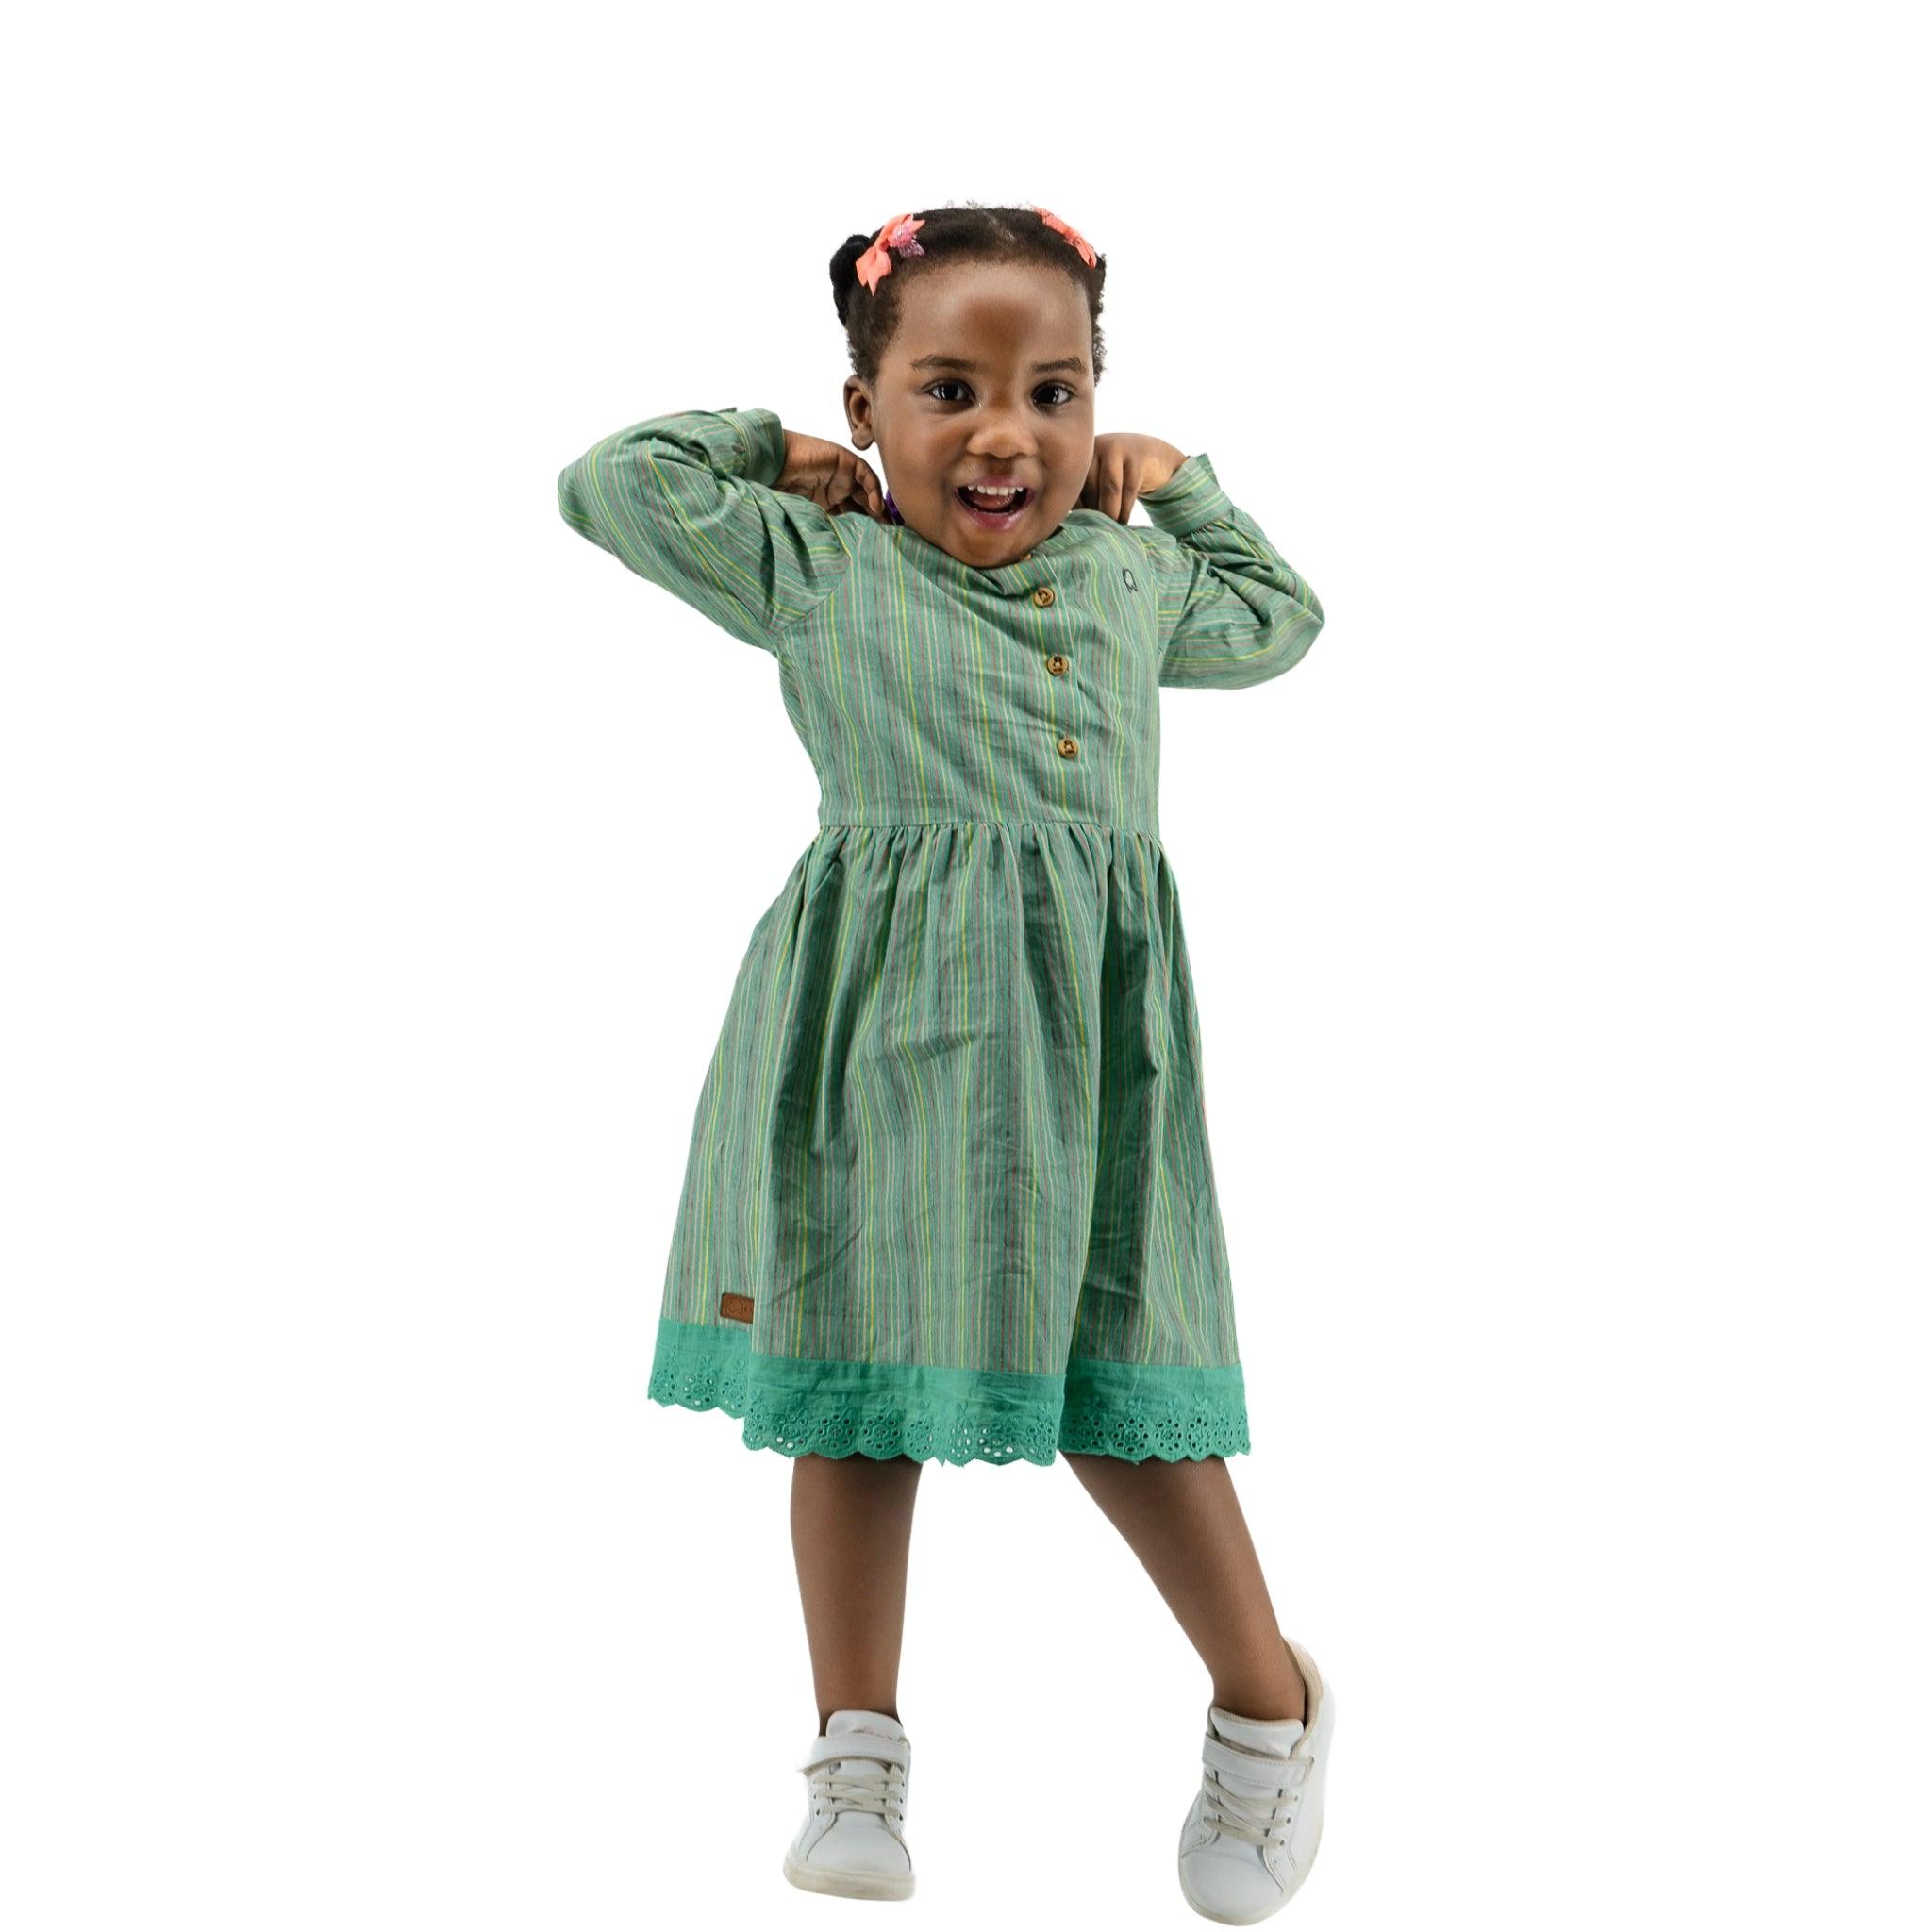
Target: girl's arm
687, 500
1231, 610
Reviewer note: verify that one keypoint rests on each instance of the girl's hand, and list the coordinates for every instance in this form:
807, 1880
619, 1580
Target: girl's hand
1123, 466
833, 479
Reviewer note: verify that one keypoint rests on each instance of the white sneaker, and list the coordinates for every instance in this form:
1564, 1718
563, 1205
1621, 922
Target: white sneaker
853, 1838
1252, 1831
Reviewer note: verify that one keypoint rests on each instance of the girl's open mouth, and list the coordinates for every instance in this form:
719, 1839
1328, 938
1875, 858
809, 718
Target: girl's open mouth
993, 509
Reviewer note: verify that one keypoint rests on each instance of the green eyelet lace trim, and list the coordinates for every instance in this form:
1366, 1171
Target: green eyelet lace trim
1125, 1409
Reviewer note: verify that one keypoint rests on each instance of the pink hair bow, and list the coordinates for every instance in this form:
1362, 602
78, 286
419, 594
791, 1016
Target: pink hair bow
1073, 235
876, 263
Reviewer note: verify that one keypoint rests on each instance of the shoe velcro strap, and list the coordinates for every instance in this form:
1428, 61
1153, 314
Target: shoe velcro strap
1253, 1765
857, 1744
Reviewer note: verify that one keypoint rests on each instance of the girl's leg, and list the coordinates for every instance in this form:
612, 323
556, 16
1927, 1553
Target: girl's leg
1183, 1522
851, 1530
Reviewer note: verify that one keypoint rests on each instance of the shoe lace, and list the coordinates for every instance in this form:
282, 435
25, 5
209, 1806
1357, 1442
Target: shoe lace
1256, 1818
861, 1784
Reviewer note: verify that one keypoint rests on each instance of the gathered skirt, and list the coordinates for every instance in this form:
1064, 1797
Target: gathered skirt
948, 1192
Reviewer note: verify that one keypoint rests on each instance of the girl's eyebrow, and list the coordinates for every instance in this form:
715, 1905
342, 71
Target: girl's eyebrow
1074, 364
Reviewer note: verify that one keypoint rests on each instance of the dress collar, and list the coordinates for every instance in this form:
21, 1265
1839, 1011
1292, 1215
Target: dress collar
1023, 575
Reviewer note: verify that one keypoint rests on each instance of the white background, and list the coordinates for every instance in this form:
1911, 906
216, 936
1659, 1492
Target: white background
1559, 928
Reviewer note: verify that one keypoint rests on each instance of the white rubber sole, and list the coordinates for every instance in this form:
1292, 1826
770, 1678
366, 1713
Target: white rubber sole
847, 1884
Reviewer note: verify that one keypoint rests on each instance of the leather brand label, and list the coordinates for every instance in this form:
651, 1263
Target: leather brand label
734, 1307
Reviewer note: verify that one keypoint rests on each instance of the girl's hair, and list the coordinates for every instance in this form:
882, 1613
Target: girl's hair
957, 232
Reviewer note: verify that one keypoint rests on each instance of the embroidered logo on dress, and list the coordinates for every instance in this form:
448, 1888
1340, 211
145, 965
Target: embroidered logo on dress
1130, 575
734, 1307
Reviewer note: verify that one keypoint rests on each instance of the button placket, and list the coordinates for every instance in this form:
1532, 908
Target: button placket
1066, 745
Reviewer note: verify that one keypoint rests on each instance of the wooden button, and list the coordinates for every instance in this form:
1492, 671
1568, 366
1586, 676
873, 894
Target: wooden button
1057, 665
1069, 747
1044, 594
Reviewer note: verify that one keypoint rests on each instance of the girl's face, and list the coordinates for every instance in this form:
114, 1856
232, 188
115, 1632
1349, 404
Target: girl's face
988, 376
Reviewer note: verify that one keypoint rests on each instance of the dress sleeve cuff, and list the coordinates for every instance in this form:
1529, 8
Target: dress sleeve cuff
763, 437
1190, 497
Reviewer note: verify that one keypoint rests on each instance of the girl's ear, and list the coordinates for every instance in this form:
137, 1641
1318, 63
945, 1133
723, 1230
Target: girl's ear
859, 413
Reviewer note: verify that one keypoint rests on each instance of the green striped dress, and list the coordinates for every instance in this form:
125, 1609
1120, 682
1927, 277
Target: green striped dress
948, 1192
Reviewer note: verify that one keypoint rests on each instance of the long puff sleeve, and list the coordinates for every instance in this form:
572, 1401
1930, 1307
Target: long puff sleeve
687, 501
1231, 610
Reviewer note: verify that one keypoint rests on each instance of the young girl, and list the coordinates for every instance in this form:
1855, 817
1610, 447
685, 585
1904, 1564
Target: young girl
948, 1196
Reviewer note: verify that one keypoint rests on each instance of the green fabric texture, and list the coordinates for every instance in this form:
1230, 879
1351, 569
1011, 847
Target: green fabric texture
952, 1143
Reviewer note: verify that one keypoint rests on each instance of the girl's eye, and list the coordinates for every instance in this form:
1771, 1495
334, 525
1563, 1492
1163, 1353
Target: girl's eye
958, 382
